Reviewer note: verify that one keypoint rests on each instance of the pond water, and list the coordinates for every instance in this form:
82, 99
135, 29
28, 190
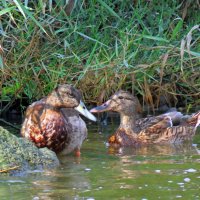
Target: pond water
155, 172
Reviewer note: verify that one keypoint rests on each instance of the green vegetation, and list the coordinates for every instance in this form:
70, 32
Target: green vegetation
100, 46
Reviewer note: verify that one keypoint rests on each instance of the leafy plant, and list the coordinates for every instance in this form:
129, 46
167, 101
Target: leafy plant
100, 46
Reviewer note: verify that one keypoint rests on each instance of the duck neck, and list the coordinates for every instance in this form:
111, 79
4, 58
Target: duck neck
128, 123
50, 104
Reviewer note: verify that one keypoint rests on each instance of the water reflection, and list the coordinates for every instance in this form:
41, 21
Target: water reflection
65, 182
149, 150
153, 159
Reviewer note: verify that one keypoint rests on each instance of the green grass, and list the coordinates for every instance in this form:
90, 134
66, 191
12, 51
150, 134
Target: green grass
149, 48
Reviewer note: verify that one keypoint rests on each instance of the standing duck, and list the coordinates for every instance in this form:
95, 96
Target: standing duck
166, 128
54, 121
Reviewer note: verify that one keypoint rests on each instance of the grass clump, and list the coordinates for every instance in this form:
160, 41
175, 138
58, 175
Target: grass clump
149, 47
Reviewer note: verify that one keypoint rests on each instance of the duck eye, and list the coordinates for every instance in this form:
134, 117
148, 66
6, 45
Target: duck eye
70, 95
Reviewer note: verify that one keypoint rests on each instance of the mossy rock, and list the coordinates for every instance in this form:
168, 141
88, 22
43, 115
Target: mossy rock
22, 155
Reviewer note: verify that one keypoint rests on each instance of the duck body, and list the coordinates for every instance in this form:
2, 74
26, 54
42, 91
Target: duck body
78, 130
158, 129
53, 122
46, 127
158, 134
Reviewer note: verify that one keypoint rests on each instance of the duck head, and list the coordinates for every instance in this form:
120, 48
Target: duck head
122, 102
66, 96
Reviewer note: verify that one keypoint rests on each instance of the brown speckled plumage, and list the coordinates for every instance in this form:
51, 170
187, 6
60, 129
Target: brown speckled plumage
48, 124
159, 129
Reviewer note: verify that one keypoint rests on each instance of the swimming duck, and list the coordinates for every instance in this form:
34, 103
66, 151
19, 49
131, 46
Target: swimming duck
159, 129
54, 121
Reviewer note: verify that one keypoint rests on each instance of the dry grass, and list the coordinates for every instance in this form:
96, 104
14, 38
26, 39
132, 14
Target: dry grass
149, 48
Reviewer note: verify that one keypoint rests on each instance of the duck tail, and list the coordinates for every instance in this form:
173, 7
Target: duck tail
194, 120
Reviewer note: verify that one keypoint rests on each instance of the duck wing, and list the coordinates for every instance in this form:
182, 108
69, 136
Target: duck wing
154, 131
165, 132
176, 134
46, 127
144, 123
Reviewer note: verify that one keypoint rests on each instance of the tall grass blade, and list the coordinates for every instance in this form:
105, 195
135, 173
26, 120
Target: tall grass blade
177, 29
155, 38
196, 54
26, 3
6, 6
138, 16
1, 62
112, 12
89, 38
19, 6
189, 36
7, 10
92, 54
26, 11
50, 5
116, 48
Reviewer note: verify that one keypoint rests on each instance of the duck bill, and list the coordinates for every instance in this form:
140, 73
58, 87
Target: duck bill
81, 108
104, 107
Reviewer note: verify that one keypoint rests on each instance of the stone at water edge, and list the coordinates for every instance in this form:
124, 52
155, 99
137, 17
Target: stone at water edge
20, 152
